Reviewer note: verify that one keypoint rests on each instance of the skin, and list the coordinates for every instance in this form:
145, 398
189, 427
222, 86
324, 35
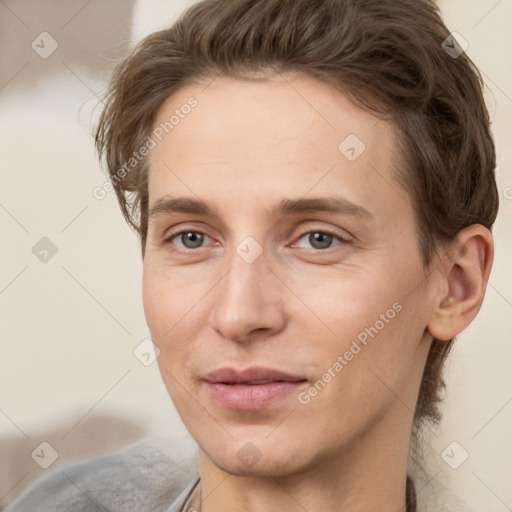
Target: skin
297, 307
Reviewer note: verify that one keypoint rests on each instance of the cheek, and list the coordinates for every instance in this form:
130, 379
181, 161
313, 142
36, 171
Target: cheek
345, 303
157, 302
371, 320
170, 301
176, 312
165, 309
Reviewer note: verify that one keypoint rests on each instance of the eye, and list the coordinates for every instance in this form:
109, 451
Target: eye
192, 239
321, 239
189, 239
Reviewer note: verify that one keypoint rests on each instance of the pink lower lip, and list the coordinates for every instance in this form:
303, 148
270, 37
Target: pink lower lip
250, 397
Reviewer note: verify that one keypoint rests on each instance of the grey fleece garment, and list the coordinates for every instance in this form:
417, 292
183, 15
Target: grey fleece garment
149, 475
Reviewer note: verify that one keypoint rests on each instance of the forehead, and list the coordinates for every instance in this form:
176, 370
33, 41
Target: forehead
288, 133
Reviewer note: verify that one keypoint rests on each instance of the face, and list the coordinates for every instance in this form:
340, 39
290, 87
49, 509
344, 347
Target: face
283, 283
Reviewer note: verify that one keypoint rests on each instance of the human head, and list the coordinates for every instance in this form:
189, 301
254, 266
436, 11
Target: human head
387, 57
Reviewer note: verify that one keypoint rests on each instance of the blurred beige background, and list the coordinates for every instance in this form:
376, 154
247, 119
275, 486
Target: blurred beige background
70, 323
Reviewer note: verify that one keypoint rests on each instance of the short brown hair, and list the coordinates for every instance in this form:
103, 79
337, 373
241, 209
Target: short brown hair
388, 57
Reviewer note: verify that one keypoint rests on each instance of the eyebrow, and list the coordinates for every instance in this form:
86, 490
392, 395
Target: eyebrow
168, 204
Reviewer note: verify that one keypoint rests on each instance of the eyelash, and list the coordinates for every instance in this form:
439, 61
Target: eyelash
341, 239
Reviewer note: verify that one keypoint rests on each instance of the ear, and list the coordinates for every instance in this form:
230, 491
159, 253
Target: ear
463, 275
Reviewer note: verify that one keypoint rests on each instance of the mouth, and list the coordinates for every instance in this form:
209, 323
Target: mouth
250, 389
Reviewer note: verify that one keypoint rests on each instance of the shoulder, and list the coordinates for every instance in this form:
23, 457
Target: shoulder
147, 475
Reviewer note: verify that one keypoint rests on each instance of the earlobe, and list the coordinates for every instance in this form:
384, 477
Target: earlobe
464, 272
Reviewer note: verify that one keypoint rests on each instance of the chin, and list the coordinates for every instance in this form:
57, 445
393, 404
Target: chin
273, 466
260, 455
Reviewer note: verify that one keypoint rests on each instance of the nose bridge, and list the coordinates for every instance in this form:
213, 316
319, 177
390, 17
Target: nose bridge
246, 300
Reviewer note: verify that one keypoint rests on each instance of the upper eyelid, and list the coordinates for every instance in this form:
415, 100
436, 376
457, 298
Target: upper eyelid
343, 238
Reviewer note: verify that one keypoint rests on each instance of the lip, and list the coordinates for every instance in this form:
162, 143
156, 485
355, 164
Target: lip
252, 388
250, 376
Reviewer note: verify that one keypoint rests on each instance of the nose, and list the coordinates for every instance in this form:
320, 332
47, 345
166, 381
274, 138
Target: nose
248, 301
